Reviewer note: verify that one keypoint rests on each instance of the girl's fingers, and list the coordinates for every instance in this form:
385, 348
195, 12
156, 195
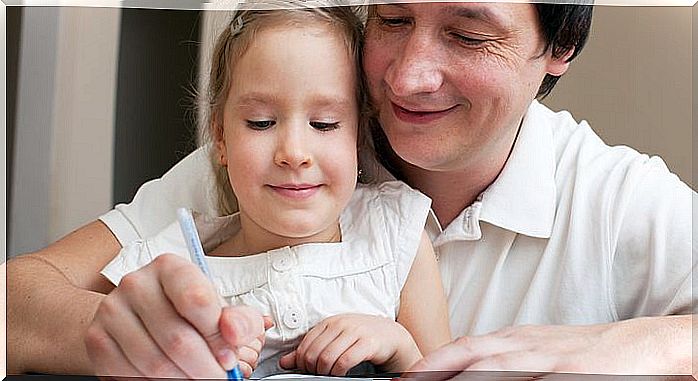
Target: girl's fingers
288, 361
358, 352
175, 336
333, 350
106, 356
268, 322
313, 344
240, 325
245, 368
250, 353
136, 344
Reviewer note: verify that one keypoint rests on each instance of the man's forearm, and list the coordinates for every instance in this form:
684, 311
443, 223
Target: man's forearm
646, 345
46, 319
668, 341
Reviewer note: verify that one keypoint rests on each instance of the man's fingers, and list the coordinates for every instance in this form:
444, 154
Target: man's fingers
514, 361
461, 354
445, 362
133, 339
106, 355
195, 299
177, 338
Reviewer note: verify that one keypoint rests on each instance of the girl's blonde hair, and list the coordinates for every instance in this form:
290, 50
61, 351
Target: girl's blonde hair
232, 44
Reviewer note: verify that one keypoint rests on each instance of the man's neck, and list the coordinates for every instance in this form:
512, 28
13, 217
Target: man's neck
450, 191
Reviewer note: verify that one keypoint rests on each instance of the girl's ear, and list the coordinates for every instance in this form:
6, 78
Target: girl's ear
558, 66
219, 141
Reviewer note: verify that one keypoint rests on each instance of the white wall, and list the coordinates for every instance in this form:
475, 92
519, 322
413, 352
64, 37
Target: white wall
65, 122
35, 91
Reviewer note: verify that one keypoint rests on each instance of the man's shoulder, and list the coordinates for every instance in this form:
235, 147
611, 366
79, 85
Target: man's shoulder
582, 155
591, 170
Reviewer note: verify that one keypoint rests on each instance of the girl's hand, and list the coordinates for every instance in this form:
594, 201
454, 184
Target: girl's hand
341, 342
248, 355
166, 320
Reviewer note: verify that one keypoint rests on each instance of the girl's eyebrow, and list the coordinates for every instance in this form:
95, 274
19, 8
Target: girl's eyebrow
338, 102
320, 101
256, 97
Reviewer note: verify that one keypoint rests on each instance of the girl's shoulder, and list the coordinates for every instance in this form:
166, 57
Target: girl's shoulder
390, 211
394, 194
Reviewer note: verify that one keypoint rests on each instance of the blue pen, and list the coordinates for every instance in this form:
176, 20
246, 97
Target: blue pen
196, 252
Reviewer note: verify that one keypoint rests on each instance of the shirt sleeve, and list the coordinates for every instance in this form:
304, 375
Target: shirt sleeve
655, 255
140, 252
190, 183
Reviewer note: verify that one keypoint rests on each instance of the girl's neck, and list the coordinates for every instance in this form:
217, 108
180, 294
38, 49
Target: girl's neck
254, 239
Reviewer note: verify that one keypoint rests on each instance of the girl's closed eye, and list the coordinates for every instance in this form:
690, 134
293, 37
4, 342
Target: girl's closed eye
260, 125
324, 126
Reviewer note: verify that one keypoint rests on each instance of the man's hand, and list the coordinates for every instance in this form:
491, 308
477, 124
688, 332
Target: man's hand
658, 345
166, 320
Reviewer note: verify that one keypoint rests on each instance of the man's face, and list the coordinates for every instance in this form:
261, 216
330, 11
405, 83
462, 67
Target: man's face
451, 81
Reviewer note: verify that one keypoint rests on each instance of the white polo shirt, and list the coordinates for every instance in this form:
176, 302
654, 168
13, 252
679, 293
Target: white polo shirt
571, 232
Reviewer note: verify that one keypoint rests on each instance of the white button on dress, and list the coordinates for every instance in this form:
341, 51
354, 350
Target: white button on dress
293, 318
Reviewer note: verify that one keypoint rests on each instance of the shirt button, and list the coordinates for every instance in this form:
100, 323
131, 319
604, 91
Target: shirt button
281, 264
292, 318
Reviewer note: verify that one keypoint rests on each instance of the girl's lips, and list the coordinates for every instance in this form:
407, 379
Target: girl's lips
296, 192
419, 117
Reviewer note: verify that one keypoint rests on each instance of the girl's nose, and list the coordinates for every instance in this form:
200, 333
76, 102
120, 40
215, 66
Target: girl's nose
416, 69
293, 151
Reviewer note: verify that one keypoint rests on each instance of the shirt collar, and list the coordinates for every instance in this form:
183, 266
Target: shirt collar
522, 198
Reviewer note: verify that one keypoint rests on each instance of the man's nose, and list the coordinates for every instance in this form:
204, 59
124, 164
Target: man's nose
416, 69
293, 149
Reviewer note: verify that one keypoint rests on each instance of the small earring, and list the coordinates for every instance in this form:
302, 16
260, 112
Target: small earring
359, 174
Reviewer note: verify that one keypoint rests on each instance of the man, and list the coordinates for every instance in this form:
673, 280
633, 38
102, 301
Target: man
553, 247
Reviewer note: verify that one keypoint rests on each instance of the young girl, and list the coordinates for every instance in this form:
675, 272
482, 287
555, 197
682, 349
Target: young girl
346, 272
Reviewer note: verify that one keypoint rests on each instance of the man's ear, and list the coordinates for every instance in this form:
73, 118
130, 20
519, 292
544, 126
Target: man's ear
558, 66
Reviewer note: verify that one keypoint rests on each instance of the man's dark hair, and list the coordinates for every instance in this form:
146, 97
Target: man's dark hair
564, 27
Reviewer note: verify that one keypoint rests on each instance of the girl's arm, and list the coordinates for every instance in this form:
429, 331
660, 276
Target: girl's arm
423, 307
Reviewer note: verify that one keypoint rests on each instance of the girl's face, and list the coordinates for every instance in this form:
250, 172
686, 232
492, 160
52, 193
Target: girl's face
290, 131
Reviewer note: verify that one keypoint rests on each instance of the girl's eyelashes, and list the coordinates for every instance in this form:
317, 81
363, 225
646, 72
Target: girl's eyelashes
324, 126
260, 125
